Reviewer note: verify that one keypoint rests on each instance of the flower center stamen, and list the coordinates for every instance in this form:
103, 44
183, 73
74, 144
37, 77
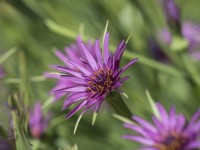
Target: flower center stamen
171, 143
100, 81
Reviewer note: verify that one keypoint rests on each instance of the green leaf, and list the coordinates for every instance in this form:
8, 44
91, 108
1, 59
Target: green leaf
128, 38
7, 54
59, 29
123, 119
104, 34
77, 123
48, 103
192, 69
94, 118
75, 147
81, 29
21, 138
153, 105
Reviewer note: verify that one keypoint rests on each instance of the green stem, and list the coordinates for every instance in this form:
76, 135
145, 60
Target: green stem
32, 79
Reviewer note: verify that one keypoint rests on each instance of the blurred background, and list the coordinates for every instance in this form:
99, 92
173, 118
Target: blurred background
165, 38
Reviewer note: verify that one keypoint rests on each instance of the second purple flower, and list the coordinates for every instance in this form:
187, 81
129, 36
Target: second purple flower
92, 73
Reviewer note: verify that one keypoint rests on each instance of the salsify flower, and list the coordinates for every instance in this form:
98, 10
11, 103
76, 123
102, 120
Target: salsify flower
190, 32
170, 131
171, 10
156, 51
37, 121
165, 36
93, 75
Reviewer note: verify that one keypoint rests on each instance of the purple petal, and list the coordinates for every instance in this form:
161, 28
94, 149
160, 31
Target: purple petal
145, 124
120, 50
136, 129
126, 67
77, 108
118, 54
82, 69
181, 122
106, 48
61, 56
36, 114
73, 99
172, 117
139, 139
89, 57
119, 82
72, 54
163, 114
74, 79
194, 145
72, 89
66, 70
52, 75
98, 53
158, 124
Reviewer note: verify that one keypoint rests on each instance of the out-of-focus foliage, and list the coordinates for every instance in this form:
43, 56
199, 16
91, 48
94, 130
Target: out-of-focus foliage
35, 28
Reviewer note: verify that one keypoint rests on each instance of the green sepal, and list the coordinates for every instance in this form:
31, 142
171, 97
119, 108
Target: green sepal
118, 102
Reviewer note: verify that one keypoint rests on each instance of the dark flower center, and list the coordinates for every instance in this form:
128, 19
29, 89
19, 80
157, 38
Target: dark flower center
100, 81
171, 142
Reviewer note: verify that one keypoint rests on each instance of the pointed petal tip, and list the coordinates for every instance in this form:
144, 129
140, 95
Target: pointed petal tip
67, 116
55, 51
63, 108
45, 74
136, 59
107, 34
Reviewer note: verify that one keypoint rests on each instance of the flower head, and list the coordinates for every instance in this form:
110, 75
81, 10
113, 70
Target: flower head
157, 52
169, 132
165, 36
92, 74
191, 32
37, 121
172, 11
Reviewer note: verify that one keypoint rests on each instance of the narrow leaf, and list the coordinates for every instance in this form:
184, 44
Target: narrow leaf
77, 122
153, 105
123, 119
7, 54
94, 118
127, 40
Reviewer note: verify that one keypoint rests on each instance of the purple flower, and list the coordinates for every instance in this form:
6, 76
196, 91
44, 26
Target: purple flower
172, 11
2, 73
165, 36
92, 75
191, 32
37, 121
170, 132
157, 52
